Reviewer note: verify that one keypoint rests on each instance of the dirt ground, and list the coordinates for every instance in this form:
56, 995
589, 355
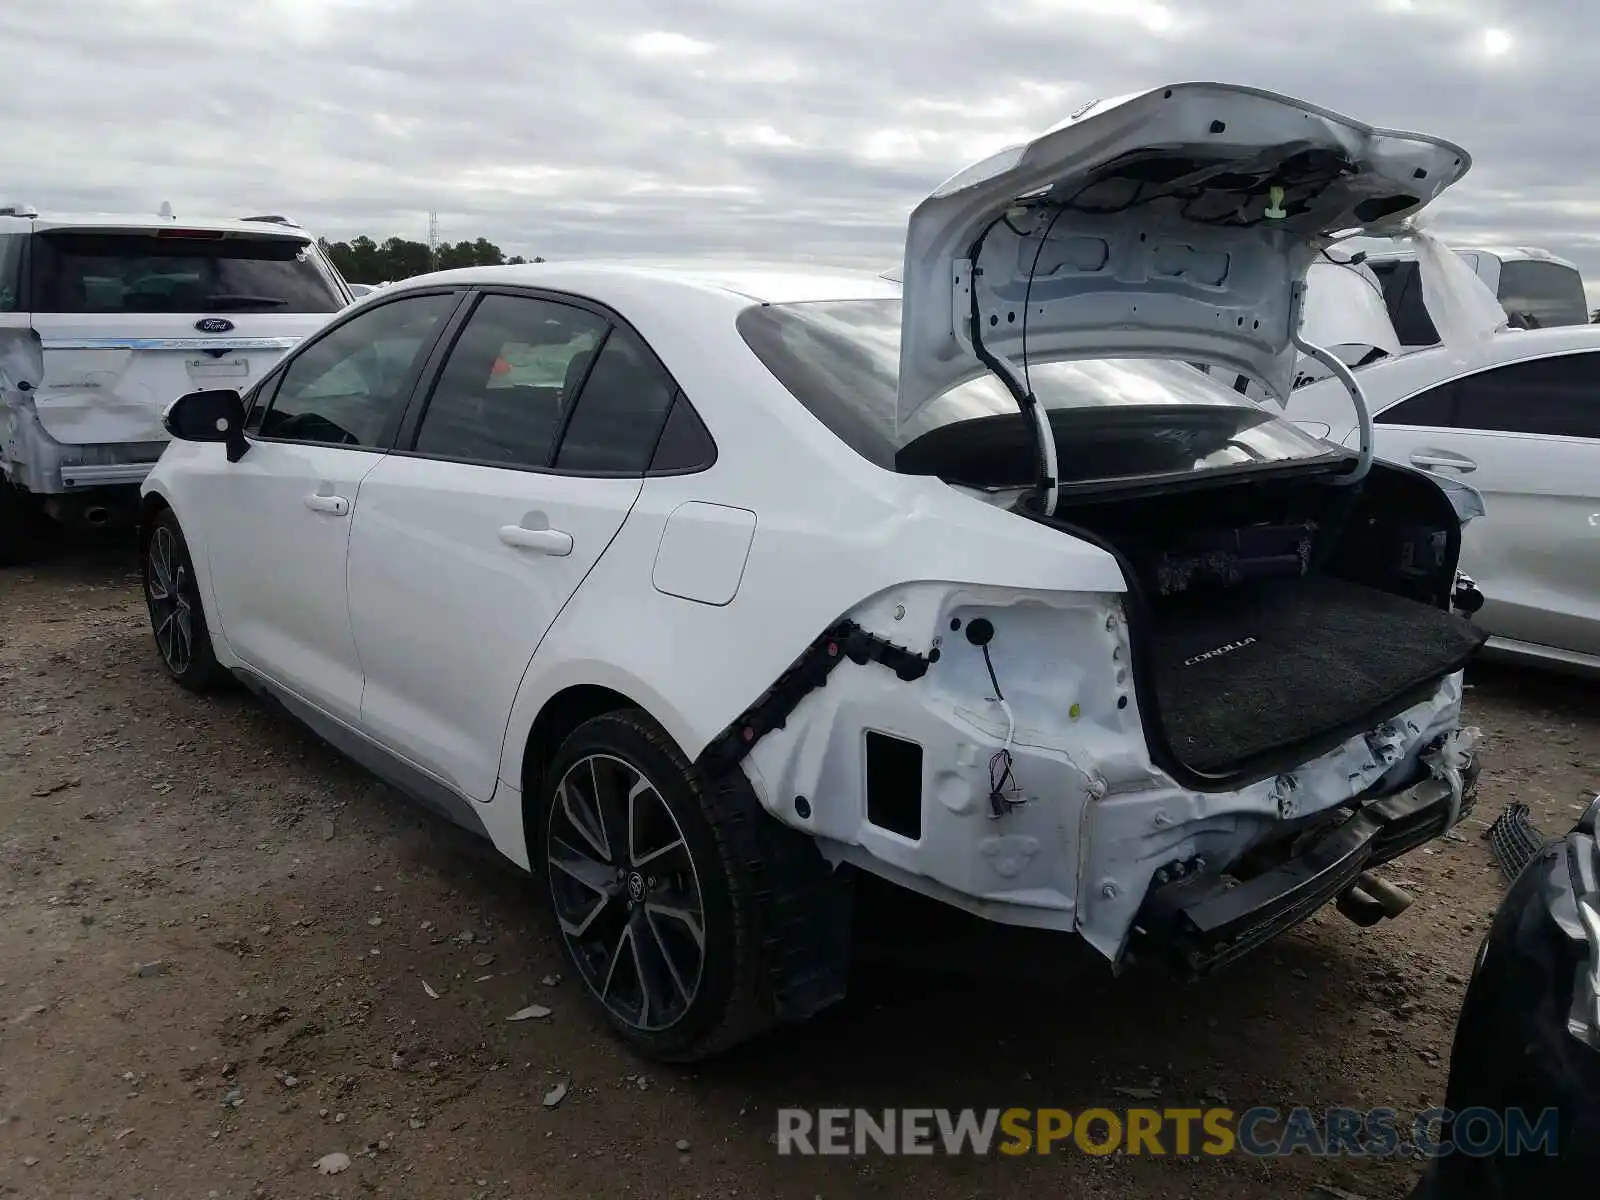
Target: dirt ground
225, 953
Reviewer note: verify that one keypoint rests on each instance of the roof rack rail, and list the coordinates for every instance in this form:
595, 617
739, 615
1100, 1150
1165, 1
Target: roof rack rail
18, 210
275, 219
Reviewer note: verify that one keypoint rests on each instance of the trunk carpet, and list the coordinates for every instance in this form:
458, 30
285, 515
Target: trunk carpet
1246, 671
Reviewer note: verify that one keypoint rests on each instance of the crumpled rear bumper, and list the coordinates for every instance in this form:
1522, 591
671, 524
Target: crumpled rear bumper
1203, 922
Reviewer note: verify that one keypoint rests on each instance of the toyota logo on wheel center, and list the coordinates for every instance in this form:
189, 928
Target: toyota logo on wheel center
635, 886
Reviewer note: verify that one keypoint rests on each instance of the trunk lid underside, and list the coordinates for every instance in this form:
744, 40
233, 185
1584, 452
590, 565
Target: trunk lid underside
1178, 223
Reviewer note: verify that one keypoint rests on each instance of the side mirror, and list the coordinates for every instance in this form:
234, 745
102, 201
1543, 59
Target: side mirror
216, 415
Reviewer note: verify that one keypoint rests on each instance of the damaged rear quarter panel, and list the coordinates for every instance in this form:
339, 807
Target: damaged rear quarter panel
21, 362
1054, 657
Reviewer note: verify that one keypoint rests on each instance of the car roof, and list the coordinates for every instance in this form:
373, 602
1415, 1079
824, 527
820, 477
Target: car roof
140, 221
614, 281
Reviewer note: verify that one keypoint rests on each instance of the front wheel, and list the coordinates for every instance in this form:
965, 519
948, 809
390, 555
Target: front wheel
654, 913
177, 619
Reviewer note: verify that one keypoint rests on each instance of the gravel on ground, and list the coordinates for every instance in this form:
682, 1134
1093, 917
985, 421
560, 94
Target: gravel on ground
233, 965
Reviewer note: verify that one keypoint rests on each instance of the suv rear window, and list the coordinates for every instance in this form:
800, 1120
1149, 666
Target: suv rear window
162, 273
1538, 294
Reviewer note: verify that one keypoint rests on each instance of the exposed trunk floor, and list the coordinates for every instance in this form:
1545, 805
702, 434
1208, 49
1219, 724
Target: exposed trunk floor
1246, 671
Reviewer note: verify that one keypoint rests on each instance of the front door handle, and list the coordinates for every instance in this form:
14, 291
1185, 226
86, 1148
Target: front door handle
1428, 459
337, 505
541, 541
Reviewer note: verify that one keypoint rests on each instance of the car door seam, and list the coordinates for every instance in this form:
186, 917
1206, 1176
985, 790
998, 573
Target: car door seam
349, 615
527, 667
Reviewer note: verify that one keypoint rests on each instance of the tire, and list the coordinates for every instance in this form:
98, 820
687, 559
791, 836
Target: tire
626, 909
19, 526
177, 618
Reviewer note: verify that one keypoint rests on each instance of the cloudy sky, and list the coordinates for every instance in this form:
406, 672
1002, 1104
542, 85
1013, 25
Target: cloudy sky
778, 128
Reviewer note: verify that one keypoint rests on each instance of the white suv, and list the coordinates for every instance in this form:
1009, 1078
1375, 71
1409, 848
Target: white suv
104, 320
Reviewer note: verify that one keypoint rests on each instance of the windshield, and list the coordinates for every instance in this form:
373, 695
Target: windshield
840, 359
162, 273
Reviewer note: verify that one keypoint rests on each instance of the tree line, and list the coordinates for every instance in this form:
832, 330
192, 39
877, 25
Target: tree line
362, 260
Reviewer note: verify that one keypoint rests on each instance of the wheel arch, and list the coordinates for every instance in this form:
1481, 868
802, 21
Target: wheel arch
533, 739
151, 505
154, 501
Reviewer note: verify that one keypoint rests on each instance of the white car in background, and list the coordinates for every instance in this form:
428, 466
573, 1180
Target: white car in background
1519, 422
104, 320
1535, 288
701, 592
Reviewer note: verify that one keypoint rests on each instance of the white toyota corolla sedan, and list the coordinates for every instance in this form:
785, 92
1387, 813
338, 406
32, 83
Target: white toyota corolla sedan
701, 593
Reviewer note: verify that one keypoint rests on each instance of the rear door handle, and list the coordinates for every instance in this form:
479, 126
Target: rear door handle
541, 541
336, 505
1428, 459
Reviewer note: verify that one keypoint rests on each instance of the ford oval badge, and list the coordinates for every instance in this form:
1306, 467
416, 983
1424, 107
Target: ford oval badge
213, 325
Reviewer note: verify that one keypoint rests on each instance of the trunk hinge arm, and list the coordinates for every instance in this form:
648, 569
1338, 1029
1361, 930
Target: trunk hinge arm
969, 336
1345, 376
806, 674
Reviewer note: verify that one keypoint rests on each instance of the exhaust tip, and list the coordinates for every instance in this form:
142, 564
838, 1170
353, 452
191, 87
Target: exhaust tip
1371, 899
1393, 899
96, 515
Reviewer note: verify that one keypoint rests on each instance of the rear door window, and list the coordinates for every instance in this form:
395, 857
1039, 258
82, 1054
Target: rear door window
177, 271
1555, 397
508, 380
1432, 409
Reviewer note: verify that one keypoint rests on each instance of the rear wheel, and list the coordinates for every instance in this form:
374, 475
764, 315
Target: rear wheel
177, 618
654, 913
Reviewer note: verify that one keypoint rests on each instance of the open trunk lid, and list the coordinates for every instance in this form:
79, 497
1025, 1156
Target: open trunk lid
1175, 223
130, 318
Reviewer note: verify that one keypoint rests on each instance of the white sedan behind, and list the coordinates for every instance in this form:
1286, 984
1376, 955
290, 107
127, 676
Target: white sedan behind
1519, 423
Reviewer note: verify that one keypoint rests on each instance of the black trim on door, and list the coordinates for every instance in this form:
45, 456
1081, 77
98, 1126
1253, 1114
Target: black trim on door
416, 406
571, 406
